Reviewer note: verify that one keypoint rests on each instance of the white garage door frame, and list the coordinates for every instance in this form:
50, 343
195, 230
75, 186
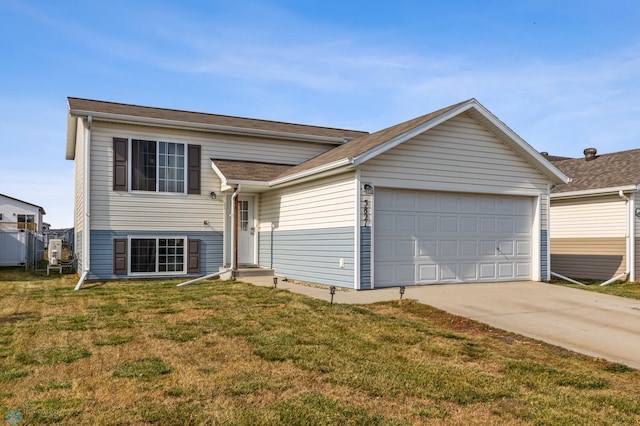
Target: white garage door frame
381, 279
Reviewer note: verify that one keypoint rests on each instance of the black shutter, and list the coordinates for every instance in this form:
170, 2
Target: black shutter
193, 162
120, 256
120, 154
193, 257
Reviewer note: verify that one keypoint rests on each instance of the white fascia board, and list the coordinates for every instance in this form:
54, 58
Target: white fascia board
593, 192
317, 170
412, 133
552, 171
222, 177
72, 130
175, 124
247, 182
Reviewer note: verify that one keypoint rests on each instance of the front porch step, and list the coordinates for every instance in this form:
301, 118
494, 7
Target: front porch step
244, 272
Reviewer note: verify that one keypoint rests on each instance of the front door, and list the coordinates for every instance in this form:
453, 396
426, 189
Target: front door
246, 231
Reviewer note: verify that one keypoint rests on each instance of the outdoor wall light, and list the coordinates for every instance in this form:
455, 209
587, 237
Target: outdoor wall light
368, 189
212, 195
637, 211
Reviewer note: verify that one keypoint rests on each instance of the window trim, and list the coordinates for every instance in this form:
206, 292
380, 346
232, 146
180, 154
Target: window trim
158, 237
185, 165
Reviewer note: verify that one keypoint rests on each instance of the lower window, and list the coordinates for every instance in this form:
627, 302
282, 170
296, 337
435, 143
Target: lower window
157, 255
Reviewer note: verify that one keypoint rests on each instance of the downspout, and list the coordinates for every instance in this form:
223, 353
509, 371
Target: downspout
632, 237
629, 262
86, 219
548, 277
234, 232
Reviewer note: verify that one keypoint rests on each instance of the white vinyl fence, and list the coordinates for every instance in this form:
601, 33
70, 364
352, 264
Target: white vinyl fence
21, 248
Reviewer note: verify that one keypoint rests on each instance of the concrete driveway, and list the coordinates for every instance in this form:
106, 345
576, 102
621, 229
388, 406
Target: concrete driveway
593, 324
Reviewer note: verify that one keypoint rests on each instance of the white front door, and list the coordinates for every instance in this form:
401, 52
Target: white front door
246, 231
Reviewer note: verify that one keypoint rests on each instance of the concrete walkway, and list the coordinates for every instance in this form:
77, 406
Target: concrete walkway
593, 324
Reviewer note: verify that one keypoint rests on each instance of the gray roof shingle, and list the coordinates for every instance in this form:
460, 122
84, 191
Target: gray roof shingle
605, 171
88, 105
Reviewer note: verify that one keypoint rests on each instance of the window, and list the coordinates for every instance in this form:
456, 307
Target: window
157, 255
157, 166
26, 221
243, 213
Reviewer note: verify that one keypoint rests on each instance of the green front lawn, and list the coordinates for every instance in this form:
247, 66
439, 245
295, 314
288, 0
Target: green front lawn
228, 353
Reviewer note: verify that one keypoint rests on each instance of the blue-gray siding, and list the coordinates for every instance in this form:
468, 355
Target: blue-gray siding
544, 250
365, 257
311, 255
102, 250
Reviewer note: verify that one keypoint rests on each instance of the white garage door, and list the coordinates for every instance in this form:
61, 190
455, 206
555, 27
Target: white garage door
437, 237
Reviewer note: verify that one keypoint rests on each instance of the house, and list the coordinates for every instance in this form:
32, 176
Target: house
17, 217
451, 196
594, 218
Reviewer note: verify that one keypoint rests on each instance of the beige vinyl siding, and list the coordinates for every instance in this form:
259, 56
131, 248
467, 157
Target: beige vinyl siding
117, 210
323, 203
591, 217
460, 156
588, 237
596, 258
232, 147
79, 173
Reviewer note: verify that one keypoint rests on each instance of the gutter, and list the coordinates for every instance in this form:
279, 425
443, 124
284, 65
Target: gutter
209, 127
234, 232
590, 192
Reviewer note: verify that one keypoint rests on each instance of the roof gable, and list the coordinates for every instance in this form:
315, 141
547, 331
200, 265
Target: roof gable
24, 202
367, 147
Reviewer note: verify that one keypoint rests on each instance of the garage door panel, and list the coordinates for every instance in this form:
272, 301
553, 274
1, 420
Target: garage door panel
429, 237
487, 225
487, 271
505, 270
448, 224
468, 271
469, 225
469, 248
523, 248
487, 248
428, 248
506, 225
448, 271
448, 248
406, 273
427, 273
405, 249
427, 224
506, 248
405, 223
523, 270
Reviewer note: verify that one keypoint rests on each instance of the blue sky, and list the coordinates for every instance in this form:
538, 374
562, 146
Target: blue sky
562, 74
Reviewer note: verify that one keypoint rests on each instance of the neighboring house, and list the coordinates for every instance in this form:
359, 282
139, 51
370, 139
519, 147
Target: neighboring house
594, 218
451, 196
16, 218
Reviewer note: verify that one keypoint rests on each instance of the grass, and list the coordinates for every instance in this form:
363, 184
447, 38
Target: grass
617, 288
227, 353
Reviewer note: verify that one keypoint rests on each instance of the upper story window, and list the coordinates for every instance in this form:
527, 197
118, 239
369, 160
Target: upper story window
158, 166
